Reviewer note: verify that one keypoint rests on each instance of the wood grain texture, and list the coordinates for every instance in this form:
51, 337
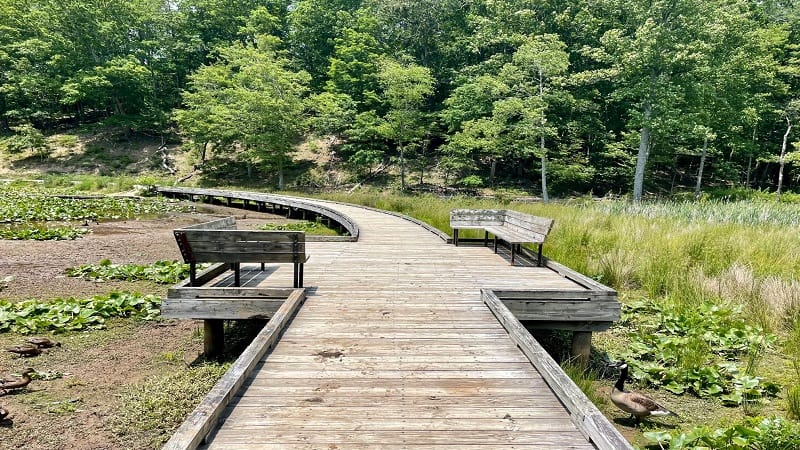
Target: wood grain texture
204, 418
395, 348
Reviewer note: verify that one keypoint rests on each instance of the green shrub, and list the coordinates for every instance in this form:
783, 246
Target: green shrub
26, 138
70, 314
41, 233
773, 433
161, 272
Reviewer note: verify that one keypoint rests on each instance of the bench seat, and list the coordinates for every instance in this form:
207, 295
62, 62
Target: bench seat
513, 227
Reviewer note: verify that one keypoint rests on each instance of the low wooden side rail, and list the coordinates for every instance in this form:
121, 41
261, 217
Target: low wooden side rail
513, 227
218, 241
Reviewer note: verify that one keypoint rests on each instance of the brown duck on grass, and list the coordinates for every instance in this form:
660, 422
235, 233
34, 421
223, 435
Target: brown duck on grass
42, 342
636, 404
7, 384
25, 350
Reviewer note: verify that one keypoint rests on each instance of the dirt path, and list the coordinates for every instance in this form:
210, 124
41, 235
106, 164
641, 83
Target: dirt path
75, 411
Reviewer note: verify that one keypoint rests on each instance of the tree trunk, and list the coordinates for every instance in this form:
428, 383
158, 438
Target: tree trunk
280, 176
700, 169
203, 153
402, 166
545, 197
749, 171
783, 157
641, 158
492, 171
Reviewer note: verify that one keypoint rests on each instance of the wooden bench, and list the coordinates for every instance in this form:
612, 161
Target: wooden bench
513, 227
218, 241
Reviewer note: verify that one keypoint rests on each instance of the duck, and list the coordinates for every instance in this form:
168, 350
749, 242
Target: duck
16, 383
43, 342
636, 404
26, 350
3, 414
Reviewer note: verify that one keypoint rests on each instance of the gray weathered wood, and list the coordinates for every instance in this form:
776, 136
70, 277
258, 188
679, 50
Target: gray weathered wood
513, 227
275, 200
217, 242
204, 418
588, 418
396, 347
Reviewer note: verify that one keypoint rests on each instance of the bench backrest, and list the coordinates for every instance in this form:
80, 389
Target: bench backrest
225, 223
219, 243
465, 218
536, 227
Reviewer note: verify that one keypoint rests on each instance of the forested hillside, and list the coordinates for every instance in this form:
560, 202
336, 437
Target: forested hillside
553, 96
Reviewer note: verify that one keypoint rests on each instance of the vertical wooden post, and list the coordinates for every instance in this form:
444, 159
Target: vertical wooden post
213, 337
581, 347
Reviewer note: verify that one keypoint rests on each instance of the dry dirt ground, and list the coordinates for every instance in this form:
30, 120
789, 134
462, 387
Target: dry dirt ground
76, 410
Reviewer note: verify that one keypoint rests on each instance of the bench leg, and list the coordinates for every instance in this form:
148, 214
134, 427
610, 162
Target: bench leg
296, 282
455, 237
263, 267
540, 255
192, 274
495, 244
237, 276
513, 253
213, 337
485, 238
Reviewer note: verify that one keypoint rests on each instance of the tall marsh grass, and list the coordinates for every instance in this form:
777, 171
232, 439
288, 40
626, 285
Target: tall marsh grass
756, 212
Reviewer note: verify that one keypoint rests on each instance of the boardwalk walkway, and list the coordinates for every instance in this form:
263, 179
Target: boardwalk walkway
394, 348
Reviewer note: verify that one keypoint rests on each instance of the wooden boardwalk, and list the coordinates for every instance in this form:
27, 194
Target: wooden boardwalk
395, 348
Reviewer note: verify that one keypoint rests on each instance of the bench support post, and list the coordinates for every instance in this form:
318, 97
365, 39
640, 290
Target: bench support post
192, 274
540, 255
581, 347
455, 237
298, 275
237, 274
213, 337
485, 238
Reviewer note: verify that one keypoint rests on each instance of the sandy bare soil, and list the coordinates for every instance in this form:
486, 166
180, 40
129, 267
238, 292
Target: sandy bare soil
75, 411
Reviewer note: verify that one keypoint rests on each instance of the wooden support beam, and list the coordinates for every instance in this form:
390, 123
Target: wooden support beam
213, 337
581, 347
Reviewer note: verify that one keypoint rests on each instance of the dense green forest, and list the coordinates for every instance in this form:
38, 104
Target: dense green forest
602, 96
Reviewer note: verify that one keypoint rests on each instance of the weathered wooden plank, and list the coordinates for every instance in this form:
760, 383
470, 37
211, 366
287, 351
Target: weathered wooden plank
417, 405
564, 310
204, 418
452, 386
390, 446
225, 223
319, 410
229, 292
240, 437
341, 364
278, 422
251, 236
222, 308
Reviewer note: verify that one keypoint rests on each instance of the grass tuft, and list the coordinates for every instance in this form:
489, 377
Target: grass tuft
151, 411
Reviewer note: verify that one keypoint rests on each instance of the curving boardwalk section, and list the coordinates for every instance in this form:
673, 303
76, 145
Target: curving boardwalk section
394, 348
